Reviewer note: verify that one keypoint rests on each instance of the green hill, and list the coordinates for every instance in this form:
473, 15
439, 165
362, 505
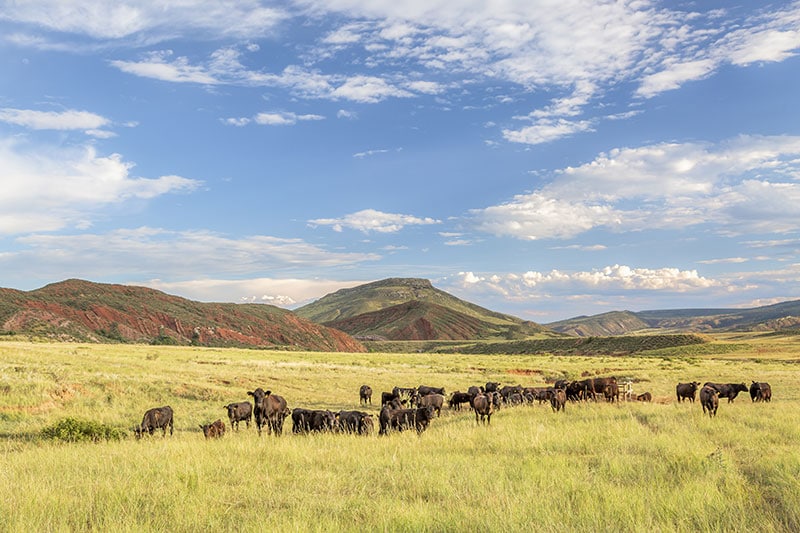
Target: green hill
77, 310
413, 309
776, 317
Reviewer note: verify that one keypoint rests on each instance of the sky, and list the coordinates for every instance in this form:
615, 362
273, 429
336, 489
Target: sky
546, 159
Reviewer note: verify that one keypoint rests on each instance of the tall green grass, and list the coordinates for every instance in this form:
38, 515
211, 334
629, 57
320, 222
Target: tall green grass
597, 467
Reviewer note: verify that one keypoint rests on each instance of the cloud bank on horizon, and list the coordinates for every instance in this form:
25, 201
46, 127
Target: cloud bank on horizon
545, 161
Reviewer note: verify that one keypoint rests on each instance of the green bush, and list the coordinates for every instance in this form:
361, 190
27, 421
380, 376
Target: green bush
75, 430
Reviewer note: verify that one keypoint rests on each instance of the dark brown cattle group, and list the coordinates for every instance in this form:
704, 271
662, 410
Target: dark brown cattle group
413, 408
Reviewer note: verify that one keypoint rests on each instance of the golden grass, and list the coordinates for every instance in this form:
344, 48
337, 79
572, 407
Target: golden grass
597, 467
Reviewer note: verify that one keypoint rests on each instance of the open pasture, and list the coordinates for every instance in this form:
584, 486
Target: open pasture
659, 466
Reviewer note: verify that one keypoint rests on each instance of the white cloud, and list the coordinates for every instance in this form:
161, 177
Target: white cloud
148, 20
547, 130
517, 286
372, 220
158, 66
158, 253
48, 188
53, 120
283, 118
283, 292
368, 153
744, 184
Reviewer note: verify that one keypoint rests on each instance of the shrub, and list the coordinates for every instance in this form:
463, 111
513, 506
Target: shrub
75, 430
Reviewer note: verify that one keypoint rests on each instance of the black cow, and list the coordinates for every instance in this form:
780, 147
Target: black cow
686, 391
355, 422
214, 430
644, 397
408, 392
384, 418
458, 398
239, 411
508, 390
365, 395
155, 418
484, 407
727, 390
270, 410
760, 392
419, 419
319, 420
558, 400
597, 386
709, 399
387, 397
424, 390
491, 386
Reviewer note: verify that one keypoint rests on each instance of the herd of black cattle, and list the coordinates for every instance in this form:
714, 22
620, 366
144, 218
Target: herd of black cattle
414, 408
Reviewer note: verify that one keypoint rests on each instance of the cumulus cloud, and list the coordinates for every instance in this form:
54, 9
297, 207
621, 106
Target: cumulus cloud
48, 188
369, 220
515, 286
741, 185
282, 118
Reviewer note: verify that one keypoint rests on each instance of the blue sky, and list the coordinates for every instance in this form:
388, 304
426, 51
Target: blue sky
544, 159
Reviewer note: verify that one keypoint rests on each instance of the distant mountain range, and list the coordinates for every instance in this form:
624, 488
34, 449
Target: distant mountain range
395, 309
76, 310
413, 309
782, 316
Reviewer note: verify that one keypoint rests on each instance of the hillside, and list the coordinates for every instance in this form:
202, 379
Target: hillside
785, 315
77, 310
412, 309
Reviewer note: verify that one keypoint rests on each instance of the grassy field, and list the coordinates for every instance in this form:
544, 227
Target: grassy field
597, 467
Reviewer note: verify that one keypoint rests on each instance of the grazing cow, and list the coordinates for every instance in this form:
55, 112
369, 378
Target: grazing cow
365, 395
270, 410
558, 400
387, 397
458, 398
155, 418
709, 399
484, 407
508, 390
686, 391
305, 420
433, 400
424, 390
419, 419
474, 390
384, 418
727, 390
355, 422
491, 386
239, 411
577, 390
760, 392
644, 397
408, 392
597, 386
214, 430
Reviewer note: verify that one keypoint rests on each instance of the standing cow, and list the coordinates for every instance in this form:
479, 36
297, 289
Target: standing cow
727, 390
686, 391
709, 399
483, 404
760, 392
214, 430
365, 395
239, 411
155, 418
270, 410
558, 400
